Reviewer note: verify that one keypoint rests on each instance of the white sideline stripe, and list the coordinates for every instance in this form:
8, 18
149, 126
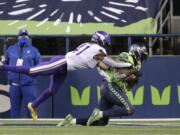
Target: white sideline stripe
148, 124
71, 0
113, 120
168, 119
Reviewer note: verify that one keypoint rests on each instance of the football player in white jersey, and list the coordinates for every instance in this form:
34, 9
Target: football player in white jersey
86, 56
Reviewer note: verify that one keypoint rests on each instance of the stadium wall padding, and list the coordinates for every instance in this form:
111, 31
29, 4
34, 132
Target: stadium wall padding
157, 94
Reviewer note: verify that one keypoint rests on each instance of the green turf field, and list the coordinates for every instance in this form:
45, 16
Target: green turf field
114, 128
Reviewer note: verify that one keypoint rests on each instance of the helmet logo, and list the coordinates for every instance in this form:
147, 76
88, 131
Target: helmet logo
100, 36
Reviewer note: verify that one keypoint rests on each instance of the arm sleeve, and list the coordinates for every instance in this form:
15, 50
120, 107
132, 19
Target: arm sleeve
44, 68
17, 69
111, 63
103, 74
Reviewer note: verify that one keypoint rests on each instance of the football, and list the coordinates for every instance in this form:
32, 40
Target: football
131, 80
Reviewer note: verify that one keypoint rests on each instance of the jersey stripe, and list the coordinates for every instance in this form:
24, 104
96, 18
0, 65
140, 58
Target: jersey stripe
48, 67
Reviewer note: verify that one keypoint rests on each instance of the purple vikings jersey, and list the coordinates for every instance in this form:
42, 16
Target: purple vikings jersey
83, 56
57, 67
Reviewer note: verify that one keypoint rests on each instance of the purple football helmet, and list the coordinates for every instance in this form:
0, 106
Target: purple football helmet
101, 38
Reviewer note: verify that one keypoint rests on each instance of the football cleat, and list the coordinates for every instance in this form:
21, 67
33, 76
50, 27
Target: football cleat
96, 115
33, 111
66, 122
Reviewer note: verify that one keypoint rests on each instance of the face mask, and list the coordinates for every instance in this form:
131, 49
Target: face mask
23, 41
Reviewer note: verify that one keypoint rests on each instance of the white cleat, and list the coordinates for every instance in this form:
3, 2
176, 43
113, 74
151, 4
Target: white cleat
66, 122
96, 115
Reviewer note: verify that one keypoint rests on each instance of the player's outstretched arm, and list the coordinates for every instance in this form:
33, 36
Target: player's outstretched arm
102, 66
43, 68
110, 62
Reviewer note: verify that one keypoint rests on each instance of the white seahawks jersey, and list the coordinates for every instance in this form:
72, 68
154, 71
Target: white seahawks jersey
83, 56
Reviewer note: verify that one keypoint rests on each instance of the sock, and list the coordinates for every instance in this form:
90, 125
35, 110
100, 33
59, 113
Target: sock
101, 114
73, 122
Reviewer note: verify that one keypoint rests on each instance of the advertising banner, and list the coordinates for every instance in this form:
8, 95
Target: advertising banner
157, 94
71, 17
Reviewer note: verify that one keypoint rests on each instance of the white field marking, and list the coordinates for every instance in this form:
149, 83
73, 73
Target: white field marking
58, 20
22, 26
141, 8
22, 11
68, 29
113, 120
123, 20
114, 10
1, 12
95, 17
146, 124
43, 5
41, 119
79, 18
71, 17
42, 22
168, 119
36, 14
20, 5
54, 12
71, 0
14, 22
132, 1
90, 13
109, 15
2, 3
18, 1
120, 4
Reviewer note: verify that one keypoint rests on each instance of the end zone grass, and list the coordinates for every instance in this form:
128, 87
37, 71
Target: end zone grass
114, 128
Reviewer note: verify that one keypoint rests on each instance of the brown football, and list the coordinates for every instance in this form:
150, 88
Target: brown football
131, 80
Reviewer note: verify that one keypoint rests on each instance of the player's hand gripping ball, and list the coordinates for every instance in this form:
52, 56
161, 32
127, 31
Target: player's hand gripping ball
131, 78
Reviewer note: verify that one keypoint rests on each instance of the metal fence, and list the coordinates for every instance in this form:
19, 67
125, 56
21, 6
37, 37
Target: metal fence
158, 44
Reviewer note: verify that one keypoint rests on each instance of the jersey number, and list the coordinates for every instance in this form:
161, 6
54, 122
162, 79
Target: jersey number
81, 50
